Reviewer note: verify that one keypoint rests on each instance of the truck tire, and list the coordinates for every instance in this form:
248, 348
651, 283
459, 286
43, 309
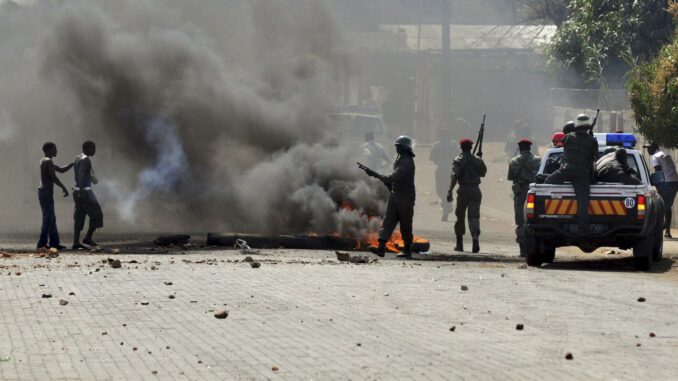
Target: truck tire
549, 254
533, 255
643, 253
658, 249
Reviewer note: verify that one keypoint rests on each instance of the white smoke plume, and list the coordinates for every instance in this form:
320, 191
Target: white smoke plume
206, 115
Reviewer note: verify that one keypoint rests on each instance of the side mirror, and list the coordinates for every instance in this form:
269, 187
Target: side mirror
657, 178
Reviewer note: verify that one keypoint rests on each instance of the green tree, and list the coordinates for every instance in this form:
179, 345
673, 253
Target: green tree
653, 90
602, 39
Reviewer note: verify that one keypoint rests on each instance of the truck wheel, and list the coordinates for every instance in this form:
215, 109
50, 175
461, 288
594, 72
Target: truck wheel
658, 249
549, 254
642, 253
533, 255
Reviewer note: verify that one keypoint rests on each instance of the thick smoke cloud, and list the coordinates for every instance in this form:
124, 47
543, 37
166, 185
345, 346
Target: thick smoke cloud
207, 115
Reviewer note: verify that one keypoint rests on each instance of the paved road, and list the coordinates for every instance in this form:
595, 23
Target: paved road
310, 317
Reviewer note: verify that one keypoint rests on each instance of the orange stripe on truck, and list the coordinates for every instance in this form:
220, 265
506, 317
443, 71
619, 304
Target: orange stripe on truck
596, 207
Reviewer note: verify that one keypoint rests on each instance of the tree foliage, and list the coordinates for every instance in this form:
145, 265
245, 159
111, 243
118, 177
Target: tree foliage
602, 39
653, 90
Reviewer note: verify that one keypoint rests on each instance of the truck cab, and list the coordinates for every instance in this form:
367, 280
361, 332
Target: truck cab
622, 216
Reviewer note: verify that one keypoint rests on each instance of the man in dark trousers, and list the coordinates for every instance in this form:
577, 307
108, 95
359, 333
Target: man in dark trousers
442, 154
580, 152
48, 178
662, 162
522, 171
613, 167
86, 203
400, 206
467, 169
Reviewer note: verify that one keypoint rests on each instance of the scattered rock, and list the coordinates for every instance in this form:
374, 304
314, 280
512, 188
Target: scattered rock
133, 261
154, 372
221, 314
255, 265
359, 344
275, 368
63, 302
168, 283
6, 255
116, 264
638, 345
248, 260
569, 356
115, 251
144, 303
104, 333
153, 268
641, 299
652, 334
343, 257
453, 328
464, 287
386, 294
71, 293
172, 296
46, 296
519, 327
523, 267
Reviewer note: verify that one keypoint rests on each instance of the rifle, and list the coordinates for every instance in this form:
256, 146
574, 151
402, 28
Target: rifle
478, 149
368, 171
593, 125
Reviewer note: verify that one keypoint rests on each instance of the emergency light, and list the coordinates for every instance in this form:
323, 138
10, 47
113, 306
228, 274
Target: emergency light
618, 140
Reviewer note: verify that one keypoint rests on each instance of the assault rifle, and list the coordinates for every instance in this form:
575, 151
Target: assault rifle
478, 149
593, 125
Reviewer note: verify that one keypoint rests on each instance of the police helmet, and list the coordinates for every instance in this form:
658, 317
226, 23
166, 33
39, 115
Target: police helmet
583, 120
569, 127
405, 142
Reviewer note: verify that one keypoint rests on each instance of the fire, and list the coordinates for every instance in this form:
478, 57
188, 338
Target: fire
394, 245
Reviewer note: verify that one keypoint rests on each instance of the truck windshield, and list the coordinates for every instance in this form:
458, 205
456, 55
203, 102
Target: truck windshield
555, 158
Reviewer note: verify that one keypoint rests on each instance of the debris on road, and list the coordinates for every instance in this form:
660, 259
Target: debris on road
46, 296
172, 296
145, 303
464, 287
641, 299
63, 302
248, 260
652, 334
221, 314
255, 265
519, 327
116, 263
71, 293
275, 368
343, 257
523, 267
168, 283
569, 356
453, 328
358, 259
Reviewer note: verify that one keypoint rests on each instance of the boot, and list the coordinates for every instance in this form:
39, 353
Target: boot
406, 253
476, 245
460, 243
379, 250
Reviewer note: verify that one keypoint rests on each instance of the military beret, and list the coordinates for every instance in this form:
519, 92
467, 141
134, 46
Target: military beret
465, 141
524, 141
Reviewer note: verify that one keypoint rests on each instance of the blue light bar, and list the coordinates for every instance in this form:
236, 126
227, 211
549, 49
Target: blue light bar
622, 140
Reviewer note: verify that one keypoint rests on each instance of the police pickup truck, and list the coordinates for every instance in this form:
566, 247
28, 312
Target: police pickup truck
623, 216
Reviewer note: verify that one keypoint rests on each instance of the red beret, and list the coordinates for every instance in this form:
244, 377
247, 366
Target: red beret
465, 141
525, 141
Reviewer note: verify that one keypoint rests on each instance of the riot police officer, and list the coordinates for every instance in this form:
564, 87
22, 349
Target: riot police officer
467, 169
580, 152
522, 171
400, 205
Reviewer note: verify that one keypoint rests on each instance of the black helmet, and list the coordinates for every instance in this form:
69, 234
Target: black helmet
405, 142
569, 127
583, 121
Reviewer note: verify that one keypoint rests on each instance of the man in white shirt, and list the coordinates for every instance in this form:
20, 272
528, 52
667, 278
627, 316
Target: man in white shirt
662, 162
376, 156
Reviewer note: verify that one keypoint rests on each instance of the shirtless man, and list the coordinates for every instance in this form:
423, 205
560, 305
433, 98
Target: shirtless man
86, 203
49, 232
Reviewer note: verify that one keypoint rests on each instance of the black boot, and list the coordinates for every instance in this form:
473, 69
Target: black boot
379, 250
476, 245
460, 243
406, 253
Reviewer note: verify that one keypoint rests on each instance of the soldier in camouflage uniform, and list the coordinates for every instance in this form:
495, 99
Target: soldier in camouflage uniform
522, 171
467, 169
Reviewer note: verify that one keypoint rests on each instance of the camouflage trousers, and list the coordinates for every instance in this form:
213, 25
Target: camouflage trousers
468, 199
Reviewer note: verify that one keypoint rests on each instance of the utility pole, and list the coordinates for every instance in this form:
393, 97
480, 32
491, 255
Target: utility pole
445, 114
